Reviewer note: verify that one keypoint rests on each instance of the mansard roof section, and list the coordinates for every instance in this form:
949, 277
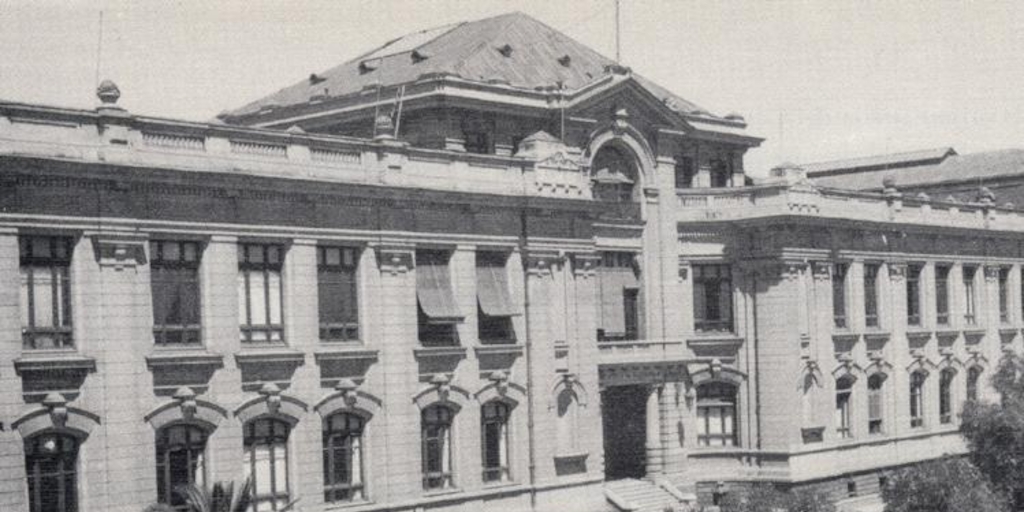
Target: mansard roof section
887, 161
513, 56
942, 168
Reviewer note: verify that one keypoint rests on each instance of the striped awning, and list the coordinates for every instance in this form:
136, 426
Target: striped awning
435, 294
492, 291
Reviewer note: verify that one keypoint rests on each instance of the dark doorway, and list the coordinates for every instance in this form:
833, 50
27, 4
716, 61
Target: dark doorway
624, 420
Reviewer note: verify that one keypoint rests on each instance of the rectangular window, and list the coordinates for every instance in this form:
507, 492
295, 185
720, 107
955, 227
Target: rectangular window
1004, 295
260, 293
970, 296
338, 293
174, 281
839, 315
712, 298
871, 294
619, 289
685, 171
494, 299
438, 313
436, 438
45, 263
914, 295
942, 294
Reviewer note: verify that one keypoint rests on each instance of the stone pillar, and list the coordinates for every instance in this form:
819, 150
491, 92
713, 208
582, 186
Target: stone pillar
653, 438
12, 494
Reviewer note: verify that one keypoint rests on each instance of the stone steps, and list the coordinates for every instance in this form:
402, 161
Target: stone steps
632, 495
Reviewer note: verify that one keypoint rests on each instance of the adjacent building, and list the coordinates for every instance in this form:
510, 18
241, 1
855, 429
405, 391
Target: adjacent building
479, 268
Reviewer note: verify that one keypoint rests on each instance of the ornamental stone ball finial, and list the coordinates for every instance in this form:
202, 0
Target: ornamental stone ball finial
889, 183
108, 93
986, 196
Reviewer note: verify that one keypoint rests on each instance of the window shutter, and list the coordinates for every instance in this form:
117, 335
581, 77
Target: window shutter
493, 291
434, 292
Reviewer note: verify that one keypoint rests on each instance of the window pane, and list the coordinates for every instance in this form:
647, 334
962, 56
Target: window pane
257, 298
43, 299
274, 291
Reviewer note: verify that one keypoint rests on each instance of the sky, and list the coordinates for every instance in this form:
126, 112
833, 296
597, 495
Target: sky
819, 80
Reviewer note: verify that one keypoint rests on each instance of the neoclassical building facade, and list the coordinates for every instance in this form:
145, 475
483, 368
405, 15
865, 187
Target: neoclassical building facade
472, 271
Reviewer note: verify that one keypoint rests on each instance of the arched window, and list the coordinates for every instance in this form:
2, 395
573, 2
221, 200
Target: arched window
876, 403
180, 461
946, 378
436, 429
343, 458
843, 413
614, 175
51, 463
716, 414
973, 376
917, 399
266, 462
566, 435
494, 428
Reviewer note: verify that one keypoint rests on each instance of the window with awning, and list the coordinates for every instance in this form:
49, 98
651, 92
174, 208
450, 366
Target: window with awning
494, 298
438, 311
619, 288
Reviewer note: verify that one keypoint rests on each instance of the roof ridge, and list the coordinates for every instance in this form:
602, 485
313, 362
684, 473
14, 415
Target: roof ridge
888, 156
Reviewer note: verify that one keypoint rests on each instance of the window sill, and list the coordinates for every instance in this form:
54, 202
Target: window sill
347, 352
343, 505
844, 334
269, 354
1008, 330
457, 351
876, 334
572, 456
441, 492
176, 356
499, 349
973, 331
918, 332
714, 339
55, 360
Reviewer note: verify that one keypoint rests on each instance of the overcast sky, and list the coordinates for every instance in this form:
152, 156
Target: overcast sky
818, 79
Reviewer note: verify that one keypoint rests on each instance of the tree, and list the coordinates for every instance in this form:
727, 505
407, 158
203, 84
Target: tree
951, 484
768, 498
995, 432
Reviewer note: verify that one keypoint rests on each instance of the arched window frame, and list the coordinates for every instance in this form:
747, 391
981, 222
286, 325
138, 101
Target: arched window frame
194, 449
717, 403
876, 403
344, 451
844, 406
947, 396
495, 441
437, 423
275, 439
918, 379
59, 465
973, 379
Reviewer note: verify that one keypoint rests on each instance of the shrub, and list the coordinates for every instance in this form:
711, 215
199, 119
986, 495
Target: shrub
951, 484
